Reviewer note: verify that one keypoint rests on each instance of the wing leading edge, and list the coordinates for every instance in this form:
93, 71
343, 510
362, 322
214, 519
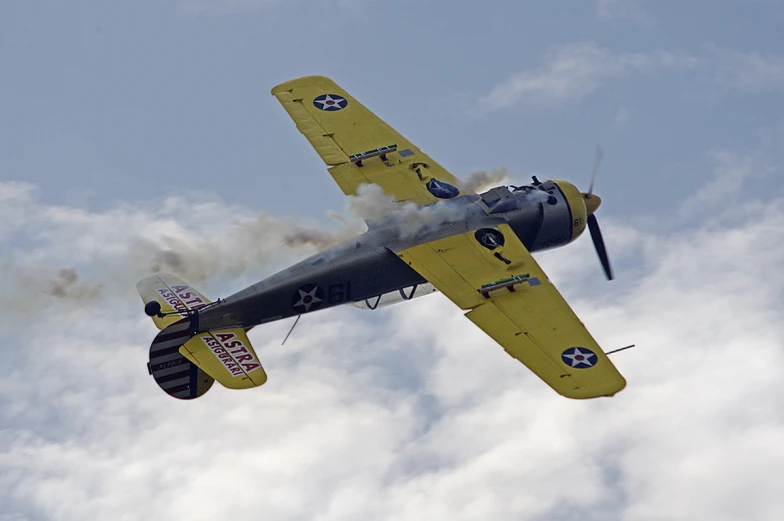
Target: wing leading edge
511, 299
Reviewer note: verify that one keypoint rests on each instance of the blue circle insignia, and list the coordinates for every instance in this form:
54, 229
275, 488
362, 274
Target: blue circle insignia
330, 102
579, 357
307, 298
441, 189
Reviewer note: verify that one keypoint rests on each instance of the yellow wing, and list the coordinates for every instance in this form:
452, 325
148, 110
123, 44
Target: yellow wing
360, 147
518, 307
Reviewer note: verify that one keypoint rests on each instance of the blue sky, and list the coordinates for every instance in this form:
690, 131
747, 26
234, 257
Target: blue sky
107, 101
129, 129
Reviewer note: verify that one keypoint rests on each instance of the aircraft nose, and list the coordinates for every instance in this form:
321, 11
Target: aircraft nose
592, 202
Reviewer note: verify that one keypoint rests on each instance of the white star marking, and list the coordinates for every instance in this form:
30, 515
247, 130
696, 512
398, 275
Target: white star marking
580, 357
329, 101
308, 298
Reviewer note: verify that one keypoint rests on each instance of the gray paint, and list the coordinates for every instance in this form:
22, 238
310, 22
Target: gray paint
367, 266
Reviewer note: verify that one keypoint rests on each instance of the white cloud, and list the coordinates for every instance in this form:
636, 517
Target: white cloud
81, 256
572, 72
750, 72
411, 412
732, 171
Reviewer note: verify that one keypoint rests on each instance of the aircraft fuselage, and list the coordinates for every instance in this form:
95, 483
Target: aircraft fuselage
366, 270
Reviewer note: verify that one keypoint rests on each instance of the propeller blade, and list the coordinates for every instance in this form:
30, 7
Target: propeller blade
597, 161
598, 243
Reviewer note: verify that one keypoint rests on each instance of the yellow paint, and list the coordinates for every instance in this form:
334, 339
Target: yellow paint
227, 356
577, 205
534, 324
336, 135
592, 202
170, 292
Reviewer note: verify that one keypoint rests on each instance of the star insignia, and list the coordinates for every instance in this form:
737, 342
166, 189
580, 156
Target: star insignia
308, 298
330, 102
579, 357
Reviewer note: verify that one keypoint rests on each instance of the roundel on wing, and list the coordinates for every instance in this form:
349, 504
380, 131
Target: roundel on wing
307, 298
441, 189
579, 357
330, 102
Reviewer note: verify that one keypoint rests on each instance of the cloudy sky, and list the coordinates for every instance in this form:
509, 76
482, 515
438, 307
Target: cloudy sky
130, 129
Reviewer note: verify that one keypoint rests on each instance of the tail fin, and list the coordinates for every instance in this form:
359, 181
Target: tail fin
175, 374
185, 362
167, 298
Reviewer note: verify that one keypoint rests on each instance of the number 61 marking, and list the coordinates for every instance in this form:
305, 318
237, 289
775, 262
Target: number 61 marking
337, 293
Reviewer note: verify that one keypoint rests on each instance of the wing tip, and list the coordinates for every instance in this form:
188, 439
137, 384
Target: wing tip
300, 82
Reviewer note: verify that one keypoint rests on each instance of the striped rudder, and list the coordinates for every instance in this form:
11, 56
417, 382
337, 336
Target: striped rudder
174, 373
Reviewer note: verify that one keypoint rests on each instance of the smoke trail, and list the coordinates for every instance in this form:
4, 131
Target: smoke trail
245, 245
481, 180
535, 195
373, 205
66, 285
74, 255
55, 255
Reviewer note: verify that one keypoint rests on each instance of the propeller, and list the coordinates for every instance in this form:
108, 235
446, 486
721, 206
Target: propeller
592, 203
596, 162
598, 243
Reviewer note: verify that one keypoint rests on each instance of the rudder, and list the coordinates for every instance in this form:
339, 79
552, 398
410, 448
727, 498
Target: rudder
174, 373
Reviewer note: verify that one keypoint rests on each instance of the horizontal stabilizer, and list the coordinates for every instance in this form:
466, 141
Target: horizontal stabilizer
227, 356
167, 298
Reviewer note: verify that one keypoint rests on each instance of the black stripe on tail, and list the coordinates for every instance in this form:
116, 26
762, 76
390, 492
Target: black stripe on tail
174, 373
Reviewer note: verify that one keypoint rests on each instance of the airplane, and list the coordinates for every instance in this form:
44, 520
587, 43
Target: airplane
473, 248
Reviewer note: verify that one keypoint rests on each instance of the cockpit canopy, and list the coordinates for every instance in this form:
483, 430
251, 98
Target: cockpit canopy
502, 199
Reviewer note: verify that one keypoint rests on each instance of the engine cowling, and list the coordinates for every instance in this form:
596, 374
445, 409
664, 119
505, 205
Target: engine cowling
550, 214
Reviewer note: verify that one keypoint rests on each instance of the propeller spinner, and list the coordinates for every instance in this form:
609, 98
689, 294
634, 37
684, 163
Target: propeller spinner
592, 203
